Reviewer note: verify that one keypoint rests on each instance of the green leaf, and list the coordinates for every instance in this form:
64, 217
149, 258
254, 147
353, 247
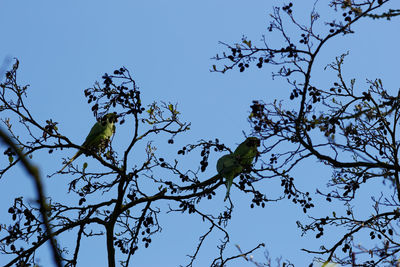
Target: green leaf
85, 165
10, 159
248, 43
150, 111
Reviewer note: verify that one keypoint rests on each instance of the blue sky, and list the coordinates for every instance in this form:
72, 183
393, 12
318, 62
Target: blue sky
167, 45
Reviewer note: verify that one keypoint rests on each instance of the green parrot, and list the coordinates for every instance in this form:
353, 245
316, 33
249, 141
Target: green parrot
231, 165
98, 136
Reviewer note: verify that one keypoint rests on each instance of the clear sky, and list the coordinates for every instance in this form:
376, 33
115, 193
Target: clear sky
63, 47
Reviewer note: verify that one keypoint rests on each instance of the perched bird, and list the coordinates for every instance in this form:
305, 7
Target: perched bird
231, 165
98, 136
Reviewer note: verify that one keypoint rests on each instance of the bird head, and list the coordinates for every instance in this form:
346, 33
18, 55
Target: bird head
110, 117
252, 141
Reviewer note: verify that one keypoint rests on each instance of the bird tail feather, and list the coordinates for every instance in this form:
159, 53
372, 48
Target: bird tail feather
229, 183
71, 160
